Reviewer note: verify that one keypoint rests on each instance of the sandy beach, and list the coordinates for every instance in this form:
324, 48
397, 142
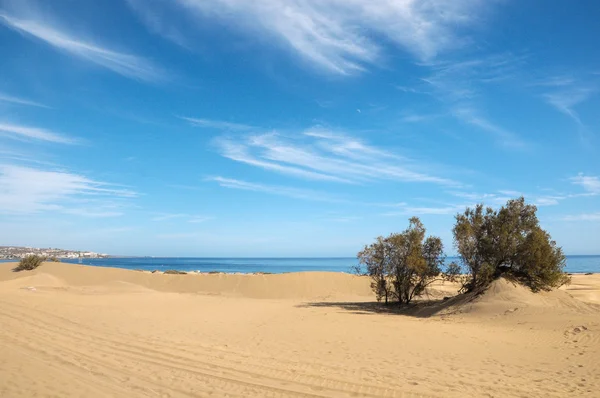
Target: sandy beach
78, 331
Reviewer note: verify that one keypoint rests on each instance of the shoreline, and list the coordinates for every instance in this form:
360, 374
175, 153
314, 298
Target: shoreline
577, 265
166, 268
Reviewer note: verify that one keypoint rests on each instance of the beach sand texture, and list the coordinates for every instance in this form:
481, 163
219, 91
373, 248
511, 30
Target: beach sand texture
68, 330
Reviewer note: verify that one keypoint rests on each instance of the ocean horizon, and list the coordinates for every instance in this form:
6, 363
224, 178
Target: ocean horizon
275, 265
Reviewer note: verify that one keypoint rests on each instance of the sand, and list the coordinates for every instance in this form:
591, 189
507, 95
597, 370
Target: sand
75, 331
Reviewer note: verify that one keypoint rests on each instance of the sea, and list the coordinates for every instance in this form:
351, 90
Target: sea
575, 264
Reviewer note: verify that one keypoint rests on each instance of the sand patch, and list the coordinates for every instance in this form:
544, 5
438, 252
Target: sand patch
99, 332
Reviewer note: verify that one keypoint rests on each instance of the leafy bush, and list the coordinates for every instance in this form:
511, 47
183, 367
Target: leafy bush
509, 242
29, 263
402, 265
174, 272
54, 259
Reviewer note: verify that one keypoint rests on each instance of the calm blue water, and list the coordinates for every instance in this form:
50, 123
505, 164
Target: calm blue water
276, 265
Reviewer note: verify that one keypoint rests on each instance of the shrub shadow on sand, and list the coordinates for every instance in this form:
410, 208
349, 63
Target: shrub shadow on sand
419, 309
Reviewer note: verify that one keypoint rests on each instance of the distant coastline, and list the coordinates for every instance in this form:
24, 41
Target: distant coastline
18, 252
248, 265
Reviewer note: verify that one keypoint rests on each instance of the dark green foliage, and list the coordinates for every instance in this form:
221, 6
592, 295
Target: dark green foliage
174, 272
29, 263
539, 262
469, 236
376, 262
508, 241
402, 265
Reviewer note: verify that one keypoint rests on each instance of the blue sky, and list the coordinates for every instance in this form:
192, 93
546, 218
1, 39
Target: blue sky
292, 127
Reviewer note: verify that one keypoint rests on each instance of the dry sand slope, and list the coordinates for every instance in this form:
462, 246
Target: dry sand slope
76, 331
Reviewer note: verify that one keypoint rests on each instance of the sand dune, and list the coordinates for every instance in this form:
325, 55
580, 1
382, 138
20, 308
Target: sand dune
69, 330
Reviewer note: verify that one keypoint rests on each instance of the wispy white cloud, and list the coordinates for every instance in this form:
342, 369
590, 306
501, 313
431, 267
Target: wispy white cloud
493, 200
418, 211
156, 22
484, 197
322, 155
168, 216
20, 101
463, 80
199, 219
502, 196
342, 219
503, 136
413, 90
195, 219
296, 193
27, 190
125, 64
461, 84
33, 133
217, 124
92, 213
566, 92
555, 81
582, 217
185, 187
240, 151
332, 35
565, 100
590, 183
423, 117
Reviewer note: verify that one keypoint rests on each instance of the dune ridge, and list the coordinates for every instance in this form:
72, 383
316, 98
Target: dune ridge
264, 286
70, 330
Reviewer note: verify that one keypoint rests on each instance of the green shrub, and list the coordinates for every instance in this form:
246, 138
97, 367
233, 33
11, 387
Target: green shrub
29, 263
54, 259
508, 242
402, 265
174, 272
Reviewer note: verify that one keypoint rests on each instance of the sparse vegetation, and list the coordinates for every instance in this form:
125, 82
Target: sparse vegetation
29, 263
402, 265
174, 272
54, 259
508, 242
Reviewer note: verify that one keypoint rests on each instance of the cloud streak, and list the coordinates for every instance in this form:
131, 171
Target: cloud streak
590, 183
195, 219
461, 84
27, 190
295, 193
502, 136
565, 92
583, 217
566, 100
413, 210
20, 101
321, 155
217, 124
33, 133
502, 196
127, 65
332, 35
